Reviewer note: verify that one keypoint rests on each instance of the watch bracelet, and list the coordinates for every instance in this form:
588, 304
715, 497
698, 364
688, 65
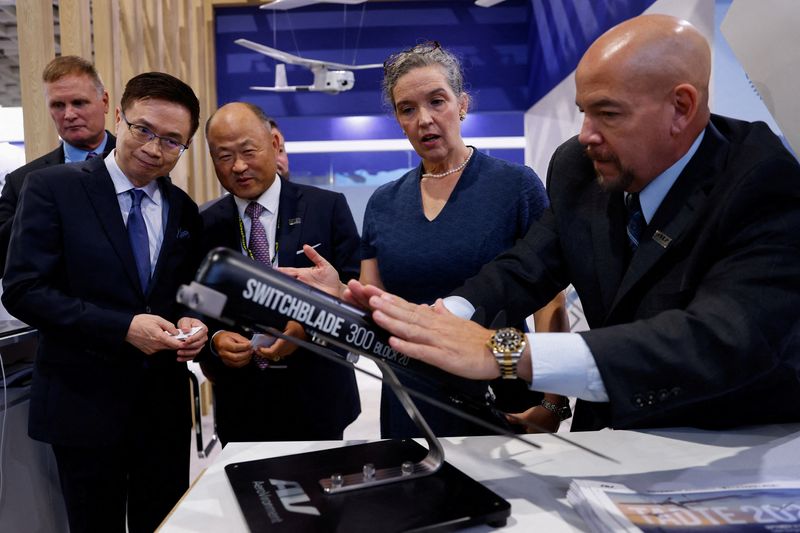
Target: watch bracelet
562, 411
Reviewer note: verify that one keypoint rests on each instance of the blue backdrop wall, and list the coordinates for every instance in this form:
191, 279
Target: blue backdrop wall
513, 54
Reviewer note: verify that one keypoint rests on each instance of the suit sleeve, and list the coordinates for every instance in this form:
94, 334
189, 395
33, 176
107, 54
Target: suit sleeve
733, 327
345, 241
8, 206
35, 285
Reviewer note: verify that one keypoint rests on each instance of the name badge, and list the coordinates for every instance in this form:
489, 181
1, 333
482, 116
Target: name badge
662, 238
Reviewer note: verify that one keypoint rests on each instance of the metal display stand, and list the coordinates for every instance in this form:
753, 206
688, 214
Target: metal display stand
369, 476
393, 485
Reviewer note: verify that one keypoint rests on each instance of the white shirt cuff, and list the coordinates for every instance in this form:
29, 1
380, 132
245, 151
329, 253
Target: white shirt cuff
211, 342
459, 306
563, 364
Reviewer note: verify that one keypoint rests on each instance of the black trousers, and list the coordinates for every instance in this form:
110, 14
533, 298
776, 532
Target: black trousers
102, 484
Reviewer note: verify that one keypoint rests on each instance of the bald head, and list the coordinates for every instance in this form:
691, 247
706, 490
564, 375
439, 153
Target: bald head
643, 86
242, 149
654, 52
234, 110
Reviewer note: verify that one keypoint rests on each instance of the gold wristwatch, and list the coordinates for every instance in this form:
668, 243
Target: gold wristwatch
507, 345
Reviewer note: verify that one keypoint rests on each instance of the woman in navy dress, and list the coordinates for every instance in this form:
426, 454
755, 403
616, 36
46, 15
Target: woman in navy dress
427, 232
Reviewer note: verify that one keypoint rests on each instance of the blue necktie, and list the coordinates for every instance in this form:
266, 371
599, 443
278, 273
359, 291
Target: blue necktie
137, 235
91, 155
636, 221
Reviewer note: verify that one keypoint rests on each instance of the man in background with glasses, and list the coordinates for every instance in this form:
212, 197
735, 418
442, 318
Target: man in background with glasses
78, 103
97, 253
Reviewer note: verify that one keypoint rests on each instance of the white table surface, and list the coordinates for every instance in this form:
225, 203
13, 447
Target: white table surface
535, 482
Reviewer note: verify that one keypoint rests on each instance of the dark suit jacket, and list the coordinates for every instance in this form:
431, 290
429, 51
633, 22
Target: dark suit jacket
72, 275
312, 398
9, 198
701, 329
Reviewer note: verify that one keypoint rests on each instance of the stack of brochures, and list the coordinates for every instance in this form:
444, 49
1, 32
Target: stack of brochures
773, 507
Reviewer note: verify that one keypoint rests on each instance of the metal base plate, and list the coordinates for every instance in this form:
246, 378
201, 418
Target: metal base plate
284, 494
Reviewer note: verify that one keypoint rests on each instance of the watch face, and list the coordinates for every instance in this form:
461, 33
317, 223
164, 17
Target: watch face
507, 339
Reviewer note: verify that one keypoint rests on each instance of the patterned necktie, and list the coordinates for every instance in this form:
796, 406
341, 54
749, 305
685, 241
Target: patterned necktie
259, 244
137, 235
259, 247
636, 221
91, 155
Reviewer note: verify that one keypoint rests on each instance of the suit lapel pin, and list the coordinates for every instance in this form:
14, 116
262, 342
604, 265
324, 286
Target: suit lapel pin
662, 238
182, 234
295, 221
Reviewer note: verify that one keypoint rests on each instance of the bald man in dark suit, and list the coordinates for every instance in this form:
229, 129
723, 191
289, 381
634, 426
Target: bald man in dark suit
679, 231
307, 397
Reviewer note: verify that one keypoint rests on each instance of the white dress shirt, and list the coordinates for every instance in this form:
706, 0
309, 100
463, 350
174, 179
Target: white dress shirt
269, 200
154, 206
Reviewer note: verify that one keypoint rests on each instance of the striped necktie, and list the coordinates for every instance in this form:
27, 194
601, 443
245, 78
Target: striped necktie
636, 222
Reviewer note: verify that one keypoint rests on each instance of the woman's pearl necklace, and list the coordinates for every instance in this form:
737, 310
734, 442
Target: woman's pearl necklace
451, 171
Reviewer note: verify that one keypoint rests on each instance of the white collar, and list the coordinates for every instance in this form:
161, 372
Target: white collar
121, 182
269, 199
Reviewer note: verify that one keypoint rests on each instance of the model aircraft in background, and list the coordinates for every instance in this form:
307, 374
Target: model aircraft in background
329, 77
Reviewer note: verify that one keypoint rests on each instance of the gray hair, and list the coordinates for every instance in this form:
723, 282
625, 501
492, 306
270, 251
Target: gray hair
421, 55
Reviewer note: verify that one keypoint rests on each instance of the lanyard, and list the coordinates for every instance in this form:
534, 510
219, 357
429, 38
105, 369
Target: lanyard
274, 260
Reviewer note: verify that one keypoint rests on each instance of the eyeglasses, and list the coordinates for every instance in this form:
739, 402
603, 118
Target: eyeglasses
144, 135
421, 49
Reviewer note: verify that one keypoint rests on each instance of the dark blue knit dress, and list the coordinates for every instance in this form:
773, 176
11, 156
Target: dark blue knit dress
492, 205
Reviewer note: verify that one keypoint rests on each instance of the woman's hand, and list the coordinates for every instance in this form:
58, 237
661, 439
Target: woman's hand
537, 419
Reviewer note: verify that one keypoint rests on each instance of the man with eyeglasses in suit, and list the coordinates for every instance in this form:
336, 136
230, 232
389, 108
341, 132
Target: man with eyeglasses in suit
98, 251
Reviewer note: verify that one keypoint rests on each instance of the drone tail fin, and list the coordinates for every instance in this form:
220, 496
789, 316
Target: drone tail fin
280, 76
